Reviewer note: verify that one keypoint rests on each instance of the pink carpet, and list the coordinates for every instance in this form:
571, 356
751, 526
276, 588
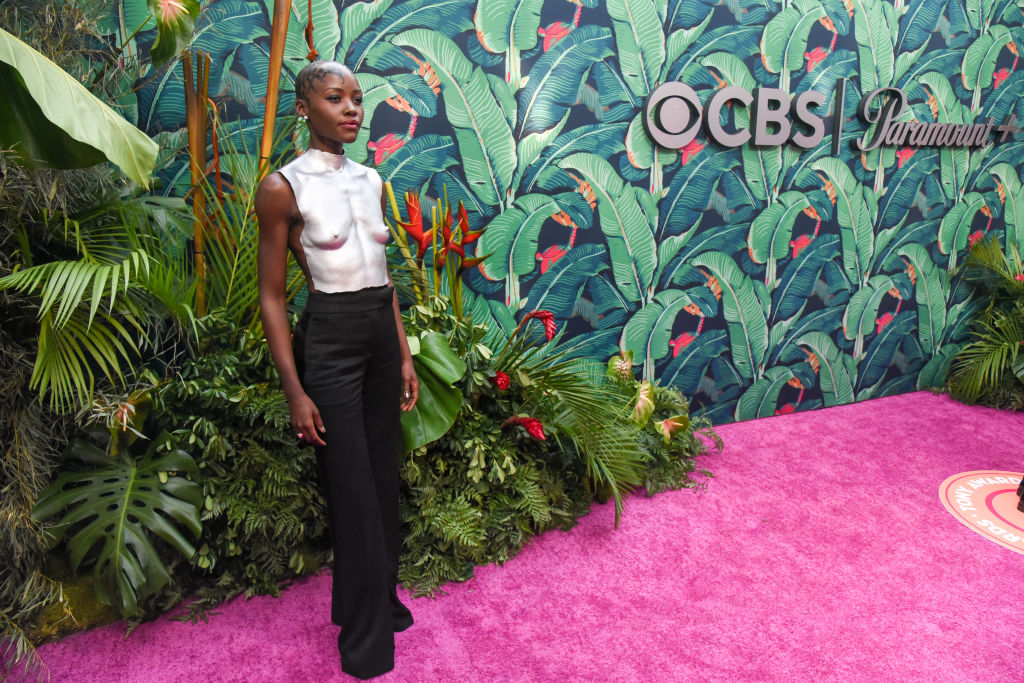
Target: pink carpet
820, 551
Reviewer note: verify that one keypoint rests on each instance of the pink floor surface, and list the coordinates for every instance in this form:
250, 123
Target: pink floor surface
819, 551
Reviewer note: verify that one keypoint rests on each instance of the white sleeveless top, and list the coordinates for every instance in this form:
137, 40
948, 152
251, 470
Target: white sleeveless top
343, 232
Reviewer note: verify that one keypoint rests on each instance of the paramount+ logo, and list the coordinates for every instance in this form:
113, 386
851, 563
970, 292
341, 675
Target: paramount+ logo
674, 115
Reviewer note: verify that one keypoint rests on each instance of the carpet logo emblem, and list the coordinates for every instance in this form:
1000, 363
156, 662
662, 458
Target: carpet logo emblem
986, 501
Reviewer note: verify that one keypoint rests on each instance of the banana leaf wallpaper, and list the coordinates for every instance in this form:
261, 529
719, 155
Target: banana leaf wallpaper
758, 280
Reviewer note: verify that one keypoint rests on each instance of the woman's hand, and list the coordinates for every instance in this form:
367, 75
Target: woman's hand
410, 385
306, 420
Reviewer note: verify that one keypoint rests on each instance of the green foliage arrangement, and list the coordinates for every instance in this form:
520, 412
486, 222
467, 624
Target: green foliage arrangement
990, 368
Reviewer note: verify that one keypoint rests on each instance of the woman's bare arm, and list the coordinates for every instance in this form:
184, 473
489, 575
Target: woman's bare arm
276, 212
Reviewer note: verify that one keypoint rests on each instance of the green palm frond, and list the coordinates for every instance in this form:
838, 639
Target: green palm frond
983, 363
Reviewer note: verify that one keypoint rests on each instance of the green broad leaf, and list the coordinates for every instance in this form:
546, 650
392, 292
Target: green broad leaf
639, 42
731, 69
762, 397
688, 364
874, 40
1013, 209
51, 120
784, 41
485, 140
624, 224
679, 41
935, 371
532, 146
415, 162
604, 137
355, 20
437, 370
112, 514
798, 278
748, 329
648, 332
511, 238
880, 353
835, 381
955, 227
930, 292
406, 15
906, 60
508, 26
771, 231
559, 289
641, 152
326, 30
979, 11
762, 166
861, 314
738, 40
555, 78
855, 227
175, 22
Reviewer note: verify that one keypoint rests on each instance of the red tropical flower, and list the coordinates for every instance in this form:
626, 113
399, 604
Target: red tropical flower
500, 380
532, 425
546, 317
415, 225
1019, 278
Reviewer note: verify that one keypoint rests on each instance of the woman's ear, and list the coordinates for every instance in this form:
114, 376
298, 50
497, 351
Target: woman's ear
300, 108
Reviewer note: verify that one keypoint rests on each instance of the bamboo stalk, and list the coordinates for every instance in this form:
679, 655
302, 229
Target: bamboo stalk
196, 103
278, 34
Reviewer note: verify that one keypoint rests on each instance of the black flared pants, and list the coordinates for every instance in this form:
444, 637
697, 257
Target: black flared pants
348, 357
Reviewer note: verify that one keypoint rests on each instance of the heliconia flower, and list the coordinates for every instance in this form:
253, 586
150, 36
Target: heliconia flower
669, 426
549, 256
644, 403
546, 317
415, 225
533, 426
1019, 278
621, 367
500, 380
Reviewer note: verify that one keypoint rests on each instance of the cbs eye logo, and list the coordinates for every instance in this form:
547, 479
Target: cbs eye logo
673, 116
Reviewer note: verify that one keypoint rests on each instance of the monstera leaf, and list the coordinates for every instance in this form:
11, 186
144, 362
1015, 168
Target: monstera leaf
50, 119
113, 511
437, 369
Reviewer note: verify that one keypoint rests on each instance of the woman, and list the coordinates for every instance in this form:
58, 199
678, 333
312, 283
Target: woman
348, 368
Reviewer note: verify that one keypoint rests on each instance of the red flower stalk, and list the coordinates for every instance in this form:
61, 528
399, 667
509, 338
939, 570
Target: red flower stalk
1019, 278
500, 380
546, 317
415, 225
533, 426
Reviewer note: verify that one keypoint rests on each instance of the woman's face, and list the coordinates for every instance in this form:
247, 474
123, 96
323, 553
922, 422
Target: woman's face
334, 104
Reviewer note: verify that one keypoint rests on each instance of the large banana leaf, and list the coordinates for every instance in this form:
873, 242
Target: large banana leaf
680, 14
647, 333
799, 276
979, 12
874, 39
639, 42
825, 320
784, 41
558, 290
412, 165
917, 24
737, 40
686, 369
643, 154
511, 238
437, 370
762, 397
772, 230
954, 161
855, 226
861, 312
114, 511
508, 26
956, 225
901, 190
726, 239
624, 223
51, 119
431, 14
748, 329
931, 293
1002, 101
881, 352
936, 369
835, 381
354, 20
1013, 214
921, 232
484, 137
690, 188
606, 138
762, 167
979, 63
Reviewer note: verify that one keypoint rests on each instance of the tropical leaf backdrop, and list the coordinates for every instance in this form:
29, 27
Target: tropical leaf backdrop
757, 280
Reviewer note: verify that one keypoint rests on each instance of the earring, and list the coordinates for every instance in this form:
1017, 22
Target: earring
304, 117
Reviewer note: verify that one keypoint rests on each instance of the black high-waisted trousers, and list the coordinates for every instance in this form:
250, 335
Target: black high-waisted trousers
348, 358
